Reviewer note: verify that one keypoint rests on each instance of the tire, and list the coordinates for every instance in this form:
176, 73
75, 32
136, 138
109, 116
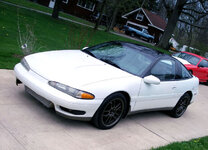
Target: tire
150, 40
181, 106
132, 34
110, 112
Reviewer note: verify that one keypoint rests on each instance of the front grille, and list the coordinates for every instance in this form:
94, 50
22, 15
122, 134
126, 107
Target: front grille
41, 99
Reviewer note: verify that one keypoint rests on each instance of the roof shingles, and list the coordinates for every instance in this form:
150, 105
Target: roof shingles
155, 19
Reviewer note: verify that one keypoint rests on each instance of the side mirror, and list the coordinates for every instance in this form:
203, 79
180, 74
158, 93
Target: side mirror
151, 80
84, 48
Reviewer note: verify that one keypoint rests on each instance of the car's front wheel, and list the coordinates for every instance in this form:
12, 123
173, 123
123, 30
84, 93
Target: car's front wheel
110, 112
150, 40
181, 106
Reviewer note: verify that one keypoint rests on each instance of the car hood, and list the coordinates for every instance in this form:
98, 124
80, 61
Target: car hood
72, 67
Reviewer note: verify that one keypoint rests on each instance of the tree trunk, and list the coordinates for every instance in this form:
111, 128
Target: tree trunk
101, 15
113, 20
172, 21
56, 9
190, 38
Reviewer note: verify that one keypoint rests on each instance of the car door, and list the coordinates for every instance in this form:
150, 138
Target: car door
153, 96
184, 81
202, 70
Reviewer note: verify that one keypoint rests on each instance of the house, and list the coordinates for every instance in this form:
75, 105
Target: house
141, 17
81, 8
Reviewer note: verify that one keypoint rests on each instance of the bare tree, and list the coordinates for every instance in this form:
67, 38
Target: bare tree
98, 21
115, 12
195, 9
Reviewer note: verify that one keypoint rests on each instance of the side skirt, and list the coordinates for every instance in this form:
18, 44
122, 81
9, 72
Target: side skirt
149, 110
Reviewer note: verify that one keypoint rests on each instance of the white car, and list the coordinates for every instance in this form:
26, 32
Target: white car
106, 82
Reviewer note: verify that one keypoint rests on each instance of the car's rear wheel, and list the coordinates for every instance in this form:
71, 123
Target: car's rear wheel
150, 40
132, 34
181, 106
110, 112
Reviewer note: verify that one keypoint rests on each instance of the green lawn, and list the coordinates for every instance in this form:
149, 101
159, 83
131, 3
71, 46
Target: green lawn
195, 144
36, 6
48, 33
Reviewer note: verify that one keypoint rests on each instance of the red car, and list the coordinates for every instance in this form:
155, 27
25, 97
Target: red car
198, 65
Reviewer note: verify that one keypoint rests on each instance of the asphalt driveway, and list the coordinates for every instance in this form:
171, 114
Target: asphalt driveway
25, 124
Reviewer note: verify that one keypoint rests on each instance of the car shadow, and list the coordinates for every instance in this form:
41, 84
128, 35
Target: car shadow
52, 117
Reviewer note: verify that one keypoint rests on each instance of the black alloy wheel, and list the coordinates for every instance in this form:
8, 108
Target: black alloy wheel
181, 106
110, 112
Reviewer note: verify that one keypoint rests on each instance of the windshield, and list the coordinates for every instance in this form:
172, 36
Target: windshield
126, 56
190, 58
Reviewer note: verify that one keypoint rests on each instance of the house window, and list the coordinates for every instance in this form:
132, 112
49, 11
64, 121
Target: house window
87, 4
140, 17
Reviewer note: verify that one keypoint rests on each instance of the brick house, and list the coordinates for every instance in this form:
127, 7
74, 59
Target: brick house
81, 8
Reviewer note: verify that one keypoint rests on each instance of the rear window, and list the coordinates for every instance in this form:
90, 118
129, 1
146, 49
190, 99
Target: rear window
190, 58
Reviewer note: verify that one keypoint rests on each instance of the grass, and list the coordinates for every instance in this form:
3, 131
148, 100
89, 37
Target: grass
36, 6
50, 34
195, 144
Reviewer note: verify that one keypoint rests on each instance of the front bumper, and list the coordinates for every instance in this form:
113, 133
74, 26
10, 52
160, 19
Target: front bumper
64, 104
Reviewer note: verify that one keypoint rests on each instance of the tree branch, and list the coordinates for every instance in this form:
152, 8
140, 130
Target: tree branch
193, 25
167, 6
189, 14
202, 4
200, 17
198, 12
191, 3
196, 19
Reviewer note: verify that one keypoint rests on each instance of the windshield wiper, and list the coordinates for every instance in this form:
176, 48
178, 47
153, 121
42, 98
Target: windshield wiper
111, 63
88, 52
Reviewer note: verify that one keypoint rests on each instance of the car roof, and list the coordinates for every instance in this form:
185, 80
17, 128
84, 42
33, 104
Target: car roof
195, 55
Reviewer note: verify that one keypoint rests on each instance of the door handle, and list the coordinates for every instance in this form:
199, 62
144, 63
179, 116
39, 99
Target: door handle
173, 88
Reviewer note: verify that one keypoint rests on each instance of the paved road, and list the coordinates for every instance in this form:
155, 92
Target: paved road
25, 124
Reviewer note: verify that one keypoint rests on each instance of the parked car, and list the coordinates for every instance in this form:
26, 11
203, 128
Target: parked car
139, 32
106, 82
197, 65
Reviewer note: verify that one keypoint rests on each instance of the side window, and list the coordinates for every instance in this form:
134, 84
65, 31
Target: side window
164, 70
185, 73
140, 17
203, 63
145, 31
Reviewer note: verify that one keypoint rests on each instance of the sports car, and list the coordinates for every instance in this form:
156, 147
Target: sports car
196, 64
106, 82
